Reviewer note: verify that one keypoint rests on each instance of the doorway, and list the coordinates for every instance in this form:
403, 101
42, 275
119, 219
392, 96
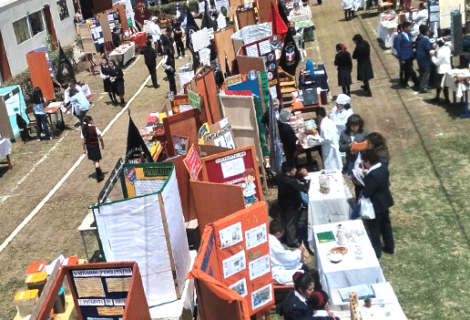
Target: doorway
50, 25
5, 71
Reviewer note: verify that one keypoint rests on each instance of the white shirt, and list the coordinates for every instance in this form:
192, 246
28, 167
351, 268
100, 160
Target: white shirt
340, 117
320, 313
375, 166
301, 297
156, 32
421, 17
442, 59
98, 133
330, 145
67, 93
284, 262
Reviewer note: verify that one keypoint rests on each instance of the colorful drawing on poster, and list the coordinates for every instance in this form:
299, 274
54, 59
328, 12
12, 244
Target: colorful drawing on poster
181, 145
262, 296
259, 267
193, 163
249, 187
240, 287
234, 264
256, 236
231, 235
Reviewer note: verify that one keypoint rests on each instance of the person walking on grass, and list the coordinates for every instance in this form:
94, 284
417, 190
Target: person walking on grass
117, 81
104, 73
406, 55
364, 65
40, 114
150, 56
80, 104
91, 137
169, 66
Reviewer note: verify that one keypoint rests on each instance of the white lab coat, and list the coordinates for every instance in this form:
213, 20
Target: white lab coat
156, 32
284, 262
330, 145
442, 59
421, 17
340, 117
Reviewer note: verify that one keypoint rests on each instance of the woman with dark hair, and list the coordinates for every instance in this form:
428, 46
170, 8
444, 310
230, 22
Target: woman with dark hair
40, 114
295, 305
117, 81
364, 66
91, 135
104, 73
354, 133
344, 63
377, 142
319, 302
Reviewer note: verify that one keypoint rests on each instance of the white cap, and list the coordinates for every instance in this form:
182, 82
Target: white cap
343, 99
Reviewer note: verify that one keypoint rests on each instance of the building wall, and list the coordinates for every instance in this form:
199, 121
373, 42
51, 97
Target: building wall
16, 53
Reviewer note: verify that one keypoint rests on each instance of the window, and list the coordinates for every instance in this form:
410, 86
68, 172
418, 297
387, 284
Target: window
62, 8
21, 30
37, 25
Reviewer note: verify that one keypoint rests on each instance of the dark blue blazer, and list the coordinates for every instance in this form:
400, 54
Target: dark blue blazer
404, 47
294, 309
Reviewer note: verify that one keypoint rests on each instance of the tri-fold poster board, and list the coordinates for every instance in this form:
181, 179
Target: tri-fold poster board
233, 262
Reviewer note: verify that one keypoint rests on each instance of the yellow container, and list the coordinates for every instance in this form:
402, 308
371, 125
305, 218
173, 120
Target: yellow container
36, 281
26, 301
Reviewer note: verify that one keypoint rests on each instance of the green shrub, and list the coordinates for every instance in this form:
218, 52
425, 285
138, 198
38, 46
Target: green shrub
170, 8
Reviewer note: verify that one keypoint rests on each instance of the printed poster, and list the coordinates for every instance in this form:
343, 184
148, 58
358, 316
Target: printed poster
231, 235
240, 287
234, 264
256, 236
262, 296
259, 267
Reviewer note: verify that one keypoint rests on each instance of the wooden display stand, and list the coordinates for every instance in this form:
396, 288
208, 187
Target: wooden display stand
40, 74
184, 124
245, 17
206, 86
224, 45
126, 300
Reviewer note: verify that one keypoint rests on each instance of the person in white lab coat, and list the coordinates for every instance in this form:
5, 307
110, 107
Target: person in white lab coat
442, 60
341, 112
156, 34
421, 17
284, 262
330, 141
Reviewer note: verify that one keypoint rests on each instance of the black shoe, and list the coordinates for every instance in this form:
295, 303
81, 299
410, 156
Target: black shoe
424, 91
368, 94
157, 86
387, 250
363, 87
436, 100
123, 103
447, 102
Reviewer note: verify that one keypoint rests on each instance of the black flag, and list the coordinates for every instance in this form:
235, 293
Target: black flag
282, 12
136, 147
191, 26
65, 70
290, 55
207, 21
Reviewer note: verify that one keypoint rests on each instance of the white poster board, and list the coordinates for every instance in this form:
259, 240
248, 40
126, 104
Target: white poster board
446, 6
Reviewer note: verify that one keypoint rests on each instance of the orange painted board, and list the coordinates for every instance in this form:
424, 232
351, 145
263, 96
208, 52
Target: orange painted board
40, 75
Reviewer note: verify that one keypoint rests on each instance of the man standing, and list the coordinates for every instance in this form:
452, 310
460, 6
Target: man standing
178, 36
169, 66
424, 52
80, 104
290, 200
156, 34
405, 54
150, 56
377, 189
166, 41
330, 141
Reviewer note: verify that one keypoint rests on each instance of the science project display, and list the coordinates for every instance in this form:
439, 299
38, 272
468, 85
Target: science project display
148, 228
234, 258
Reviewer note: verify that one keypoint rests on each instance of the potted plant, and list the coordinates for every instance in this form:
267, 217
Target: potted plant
367, 302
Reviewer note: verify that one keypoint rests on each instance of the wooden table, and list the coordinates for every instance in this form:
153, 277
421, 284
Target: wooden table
5, 151
86, 227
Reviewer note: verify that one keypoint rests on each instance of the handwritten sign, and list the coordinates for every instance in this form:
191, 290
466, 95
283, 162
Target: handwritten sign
194, 100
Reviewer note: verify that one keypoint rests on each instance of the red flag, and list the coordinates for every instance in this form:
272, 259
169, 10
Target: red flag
279, 27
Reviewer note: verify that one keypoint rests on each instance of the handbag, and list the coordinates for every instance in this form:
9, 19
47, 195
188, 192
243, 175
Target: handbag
367, 209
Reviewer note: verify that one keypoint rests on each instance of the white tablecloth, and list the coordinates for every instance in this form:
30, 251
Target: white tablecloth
449, 80
181, 309
125, 56
385, 30
331, 207
304, 14
350, 271
385, 302
5, 147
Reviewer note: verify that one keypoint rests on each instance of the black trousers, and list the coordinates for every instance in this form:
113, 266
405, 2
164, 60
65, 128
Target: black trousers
180, 48
424, 74
290, 219
171, 79
153, 74
380, 226
409, 72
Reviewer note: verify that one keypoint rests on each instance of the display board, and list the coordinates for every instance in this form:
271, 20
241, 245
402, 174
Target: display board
207, 87
219, 134
235, 252
107, 291
87, 38
247, 64
139, 179
122, 15
246, 17
214, 201
446, 7
237, 167
40, 76
11, 103
150, 230
105, 26
184, 124
264, 9
224, 46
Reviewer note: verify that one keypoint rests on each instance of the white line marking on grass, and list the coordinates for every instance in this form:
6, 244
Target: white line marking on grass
61, 182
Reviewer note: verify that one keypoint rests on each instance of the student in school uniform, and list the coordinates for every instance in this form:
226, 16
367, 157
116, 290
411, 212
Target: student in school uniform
91, 137
295, 305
